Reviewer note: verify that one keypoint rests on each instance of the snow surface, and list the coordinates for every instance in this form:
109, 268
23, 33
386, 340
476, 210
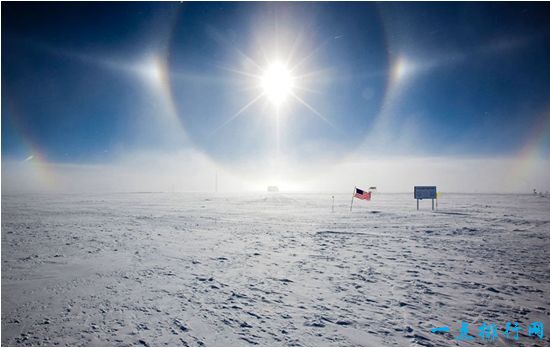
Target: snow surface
270, 269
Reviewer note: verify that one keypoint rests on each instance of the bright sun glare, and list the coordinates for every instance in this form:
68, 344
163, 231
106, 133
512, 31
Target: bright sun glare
277, 83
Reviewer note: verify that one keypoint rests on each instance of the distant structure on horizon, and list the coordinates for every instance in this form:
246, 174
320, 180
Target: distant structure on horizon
272, 189
540, 194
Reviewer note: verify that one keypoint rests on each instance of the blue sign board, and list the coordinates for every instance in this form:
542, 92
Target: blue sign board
425, 192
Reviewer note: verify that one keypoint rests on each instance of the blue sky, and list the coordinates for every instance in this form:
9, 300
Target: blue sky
78, 83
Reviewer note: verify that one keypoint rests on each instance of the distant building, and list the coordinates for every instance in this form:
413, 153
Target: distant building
272, 189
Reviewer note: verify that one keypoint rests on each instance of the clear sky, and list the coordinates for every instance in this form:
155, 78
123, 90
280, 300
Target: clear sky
86, 83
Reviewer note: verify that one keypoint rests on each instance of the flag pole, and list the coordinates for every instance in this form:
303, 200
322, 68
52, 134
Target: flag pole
353, 195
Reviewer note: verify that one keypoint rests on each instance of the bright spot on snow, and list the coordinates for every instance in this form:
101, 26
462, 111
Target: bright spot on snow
277, 83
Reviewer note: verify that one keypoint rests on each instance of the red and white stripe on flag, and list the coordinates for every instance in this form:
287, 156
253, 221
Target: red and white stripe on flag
361, 194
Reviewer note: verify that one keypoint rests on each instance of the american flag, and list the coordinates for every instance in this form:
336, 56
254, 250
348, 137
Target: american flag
361, 194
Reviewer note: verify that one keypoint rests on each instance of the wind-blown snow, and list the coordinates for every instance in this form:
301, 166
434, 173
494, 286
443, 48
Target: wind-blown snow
270, 269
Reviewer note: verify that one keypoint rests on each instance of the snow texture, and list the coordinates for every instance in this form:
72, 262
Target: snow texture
270, 269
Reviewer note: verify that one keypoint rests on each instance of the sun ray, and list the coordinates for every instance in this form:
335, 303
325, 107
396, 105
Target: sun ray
259, 42
314, 73
221, 39
249, 88
240, 72
237, 114
199, 78
295, 45
312, 109
311, 54
306, 89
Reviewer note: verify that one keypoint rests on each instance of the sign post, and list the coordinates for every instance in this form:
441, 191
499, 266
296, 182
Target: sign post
425, 192
333, 204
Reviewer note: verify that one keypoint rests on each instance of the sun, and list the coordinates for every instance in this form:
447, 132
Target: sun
277, 83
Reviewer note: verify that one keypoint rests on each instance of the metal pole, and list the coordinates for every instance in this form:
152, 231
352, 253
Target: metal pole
432, 204
333, 204
417, 204
353, 195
